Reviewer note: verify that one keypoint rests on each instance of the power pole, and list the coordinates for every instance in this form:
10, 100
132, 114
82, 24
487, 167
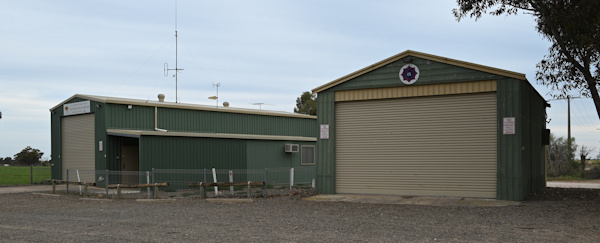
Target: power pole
569, 123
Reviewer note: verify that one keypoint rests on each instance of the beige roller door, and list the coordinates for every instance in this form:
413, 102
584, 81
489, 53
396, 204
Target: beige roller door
435, 145
78, 147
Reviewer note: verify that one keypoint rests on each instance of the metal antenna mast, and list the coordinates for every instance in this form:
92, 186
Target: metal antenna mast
176, 69
217, 96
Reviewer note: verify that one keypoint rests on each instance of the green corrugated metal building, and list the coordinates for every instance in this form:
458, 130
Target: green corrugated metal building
106, 133
420, 124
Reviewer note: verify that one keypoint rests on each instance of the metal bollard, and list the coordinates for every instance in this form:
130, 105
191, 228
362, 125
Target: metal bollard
248, 189
155, 191
106, 184
53, 187
67, 181
202, 191
266, 183
153, 181
118, 191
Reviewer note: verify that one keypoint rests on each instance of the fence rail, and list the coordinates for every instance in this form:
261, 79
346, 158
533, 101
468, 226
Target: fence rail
180, 179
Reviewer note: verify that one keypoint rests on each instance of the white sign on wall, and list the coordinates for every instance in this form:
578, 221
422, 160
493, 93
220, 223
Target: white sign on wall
324, 131
76, 108
508, 124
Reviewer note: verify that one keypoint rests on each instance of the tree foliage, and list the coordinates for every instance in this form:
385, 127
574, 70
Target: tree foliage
306, 104
573, 27
28, 156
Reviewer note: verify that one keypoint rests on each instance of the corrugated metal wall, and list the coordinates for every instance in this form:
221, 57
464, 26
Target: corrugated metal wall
414, 91
137, 118
191, 153
263, 154
437, 145
326, 147
224, 122
521, 164
431, 73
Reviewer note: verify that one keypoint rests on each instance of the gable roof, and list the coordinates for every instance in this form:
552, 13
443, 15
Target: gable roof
407, 53
183, 106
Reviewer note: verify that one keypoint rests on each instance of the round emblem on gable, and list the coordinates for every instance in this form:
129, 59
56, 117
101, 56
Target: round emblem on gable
409, 74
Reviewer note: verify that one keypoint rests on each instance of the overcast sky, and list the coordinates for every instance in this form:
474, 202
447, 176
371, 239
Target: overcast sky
259, 51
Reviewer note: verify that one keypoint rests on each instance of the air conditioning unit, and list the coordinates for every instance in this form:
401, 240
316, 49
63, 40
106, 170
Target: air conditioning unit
292, 148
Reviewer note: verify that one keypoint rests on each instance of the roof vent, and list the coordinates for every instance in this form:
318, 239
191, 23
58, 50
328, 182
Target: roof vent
161, 97
225, 104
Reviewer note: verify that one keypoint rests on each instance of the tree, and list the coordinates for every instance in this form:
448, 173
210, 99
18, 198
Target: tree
573, 27
7, 160
584, 152
560, 158
306, 104
28, 156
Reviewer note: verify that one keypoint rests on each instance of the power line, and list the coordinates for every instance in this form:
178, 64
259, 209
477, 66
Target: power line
581, 120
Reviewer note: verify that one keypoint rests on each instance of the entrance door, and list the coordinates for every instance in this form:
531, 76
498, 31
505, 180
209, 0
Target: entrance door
130, 164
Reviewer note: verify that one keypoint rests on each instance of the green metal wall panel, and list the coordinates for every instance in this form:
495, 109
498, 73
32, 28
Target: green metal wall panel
55, 146
223, 122
270, 154
526, 137
118, 116
100, 110
509, 145
326, 147
538, 124
431, 72
521, 166
263, 154
191, 153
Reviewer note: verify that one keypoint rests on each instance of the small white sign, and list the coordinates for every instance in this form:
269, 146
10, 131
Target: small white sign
325, 131
100, 147
508, 125
76, 108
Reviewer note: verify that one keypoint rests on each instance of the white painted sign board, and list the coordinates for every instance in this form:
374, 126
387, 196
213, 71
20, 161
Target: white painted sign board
325, 131
76, 108
508, 124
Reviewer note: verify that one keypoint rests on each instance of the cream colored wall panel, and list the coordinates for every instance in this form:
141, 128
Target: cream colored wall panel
415, 91
441, 145
78, 147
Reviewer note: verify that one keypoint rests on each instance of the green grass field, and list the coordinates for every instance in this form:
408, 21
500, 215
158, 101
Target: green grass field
19, 175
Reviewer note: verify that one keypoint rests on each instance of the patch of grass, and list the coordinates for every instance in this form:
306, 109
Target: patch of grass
593, 162
19, 175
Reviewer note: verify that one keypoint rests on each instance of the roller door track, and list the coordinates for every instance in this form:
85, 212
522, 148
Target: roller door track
436, 146
78, 147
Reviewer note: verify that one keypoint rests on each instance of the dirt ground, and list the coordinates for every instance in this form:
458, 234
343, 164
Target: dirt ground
553, 215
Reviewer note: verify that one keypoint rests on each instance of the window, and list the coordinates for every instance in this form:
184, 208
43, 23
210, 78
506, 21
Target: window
307, 155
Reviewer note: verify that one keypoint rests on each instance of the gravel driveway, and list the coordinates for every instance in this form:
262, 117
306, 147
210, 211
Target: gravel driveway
555, 215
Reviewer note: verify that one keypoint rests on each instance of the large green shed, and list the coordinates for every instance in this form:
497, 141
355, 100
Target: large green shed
93, 133
420, 124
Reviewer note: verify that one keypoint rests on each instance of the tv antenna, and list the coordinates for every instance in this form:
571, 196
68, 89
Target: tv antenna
176, 69
216, 97
259, 104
